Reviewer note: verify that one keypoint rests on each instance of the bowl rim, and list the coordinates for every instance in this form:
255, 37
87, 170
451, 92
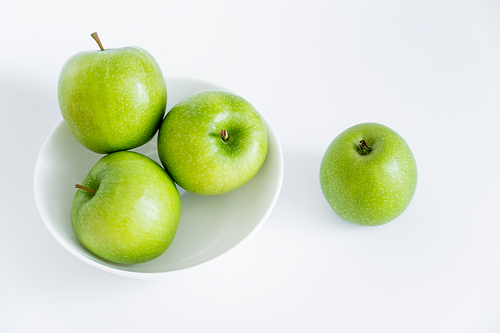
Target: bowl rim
153, 275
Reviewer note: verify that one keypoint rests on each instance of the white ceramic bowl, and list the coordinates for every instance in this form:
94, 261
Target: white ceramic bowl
210, 225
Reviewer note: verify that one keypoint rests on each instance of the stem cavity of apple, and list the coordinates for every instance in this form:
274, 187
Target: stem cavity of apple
81, 187
96, 38
363, 148
224, 135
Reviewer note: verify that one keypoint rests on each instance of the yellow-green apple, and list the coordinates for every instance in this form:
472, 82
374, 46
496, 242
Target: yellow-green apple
127, 209
212, 142
112, 99
368, 174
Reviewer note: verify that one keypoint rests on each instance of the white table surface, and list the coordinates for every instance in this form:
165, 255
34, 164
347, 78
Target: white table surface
428, 69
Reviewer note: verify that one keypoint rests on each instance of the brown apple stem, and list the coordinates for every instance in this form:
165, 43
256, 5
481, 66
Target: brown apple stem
363, 148
96, 38
224, 135
81, 187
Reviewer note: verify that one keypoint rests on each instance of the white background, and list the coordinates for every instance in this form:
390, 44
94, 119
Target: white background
428, 69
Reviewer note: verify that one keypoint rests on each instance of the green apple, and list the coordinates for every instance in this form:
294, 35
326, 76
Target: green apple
368, 174
127, 209
212, 142
112, 99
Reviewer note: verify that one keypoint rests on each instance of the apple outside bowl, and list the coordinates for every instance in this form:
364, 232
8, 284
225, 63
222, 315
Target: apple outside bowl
210, 226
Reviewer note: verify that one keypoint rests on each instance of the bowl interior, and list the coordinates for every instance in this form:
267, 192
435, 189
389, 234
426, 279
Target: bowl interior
209, 225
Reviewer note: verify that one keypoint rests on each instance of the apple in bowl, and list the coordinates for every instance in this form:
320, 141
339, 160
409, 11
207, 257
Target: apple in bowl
127, 209
112, 99
212, 142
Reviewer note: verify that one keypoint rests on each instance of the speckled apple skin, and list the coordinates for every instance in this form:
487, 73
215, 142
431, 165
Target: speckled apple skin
368, 189
135, 212
112, 100
191, 149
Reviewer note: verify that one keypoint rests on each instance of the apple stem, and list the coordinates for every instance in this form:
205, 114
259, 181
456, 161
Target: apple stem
363, 148
224, 135
81, 187
96, 38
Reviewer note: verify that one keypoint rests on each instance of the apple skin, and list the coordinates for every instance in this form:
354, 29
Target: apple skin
193, 152
112, 100
135, 212
370, 189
